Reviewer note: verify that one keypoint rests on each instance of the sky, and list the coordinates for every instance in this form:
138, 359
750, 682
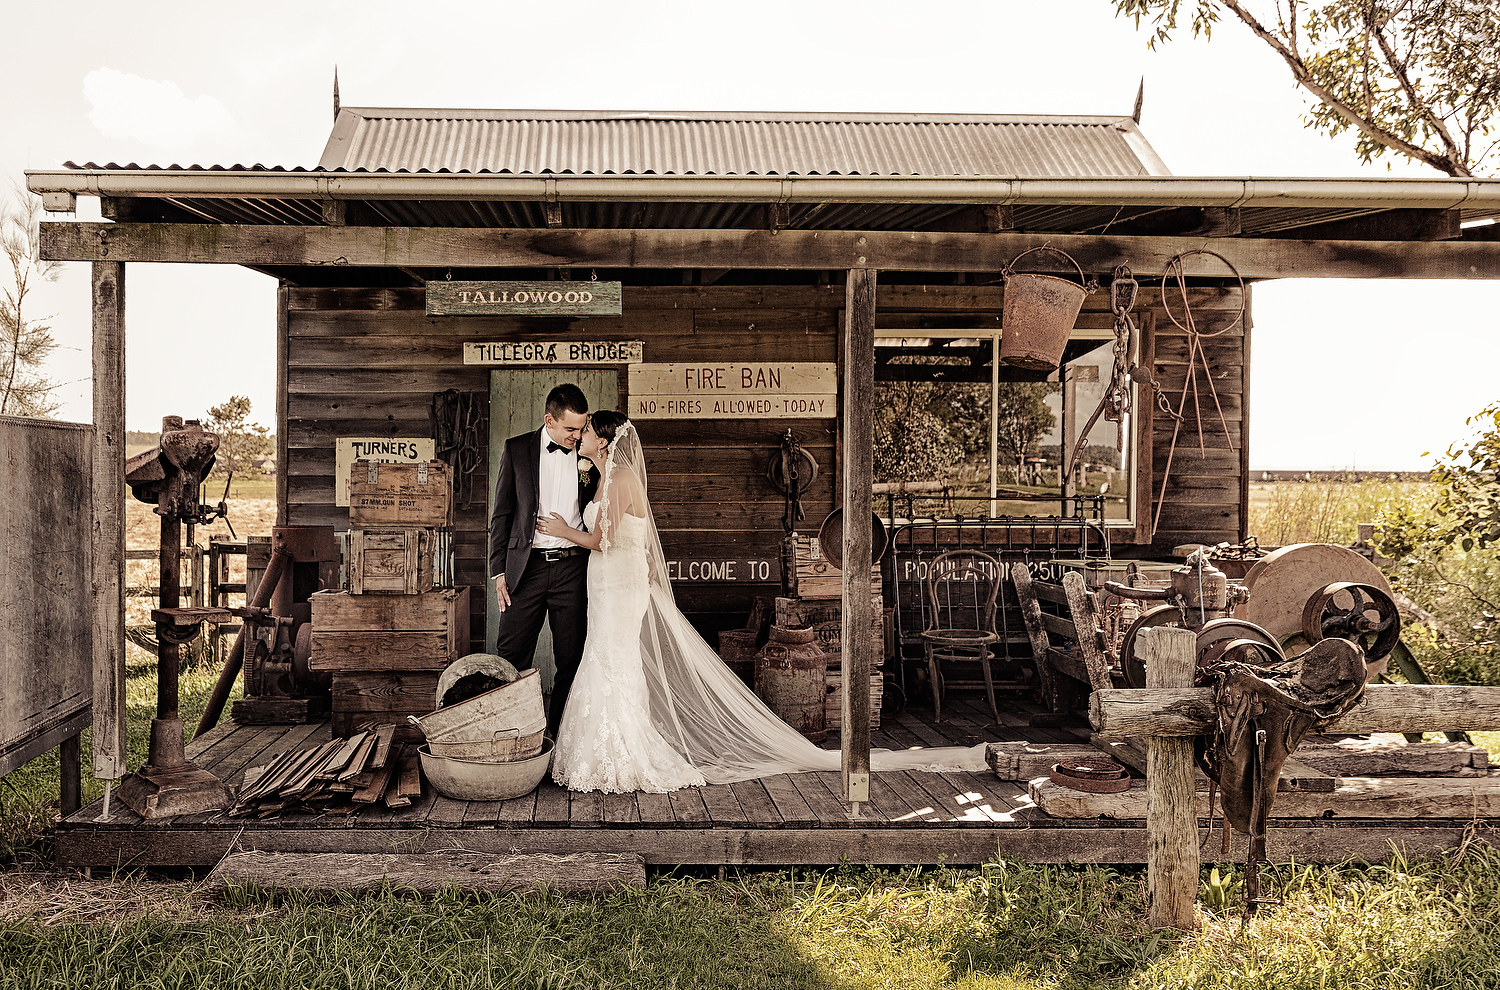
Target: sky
1365, 375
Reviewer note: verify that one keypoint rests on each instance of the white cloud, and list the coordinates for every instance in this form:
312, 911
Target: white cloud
154, 111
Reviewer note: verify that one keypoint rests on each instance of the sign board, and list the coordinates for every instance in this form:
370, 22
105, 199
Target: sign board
734, 390
523, 299
720, 571
389, 450
559, 352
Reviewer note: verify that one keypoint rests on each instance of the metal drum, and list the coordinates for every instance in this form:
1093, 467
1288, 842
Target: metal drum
790, 676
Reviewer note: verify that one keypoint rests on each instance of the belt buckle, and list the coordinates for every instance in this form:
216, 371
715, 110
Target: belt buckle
553, 554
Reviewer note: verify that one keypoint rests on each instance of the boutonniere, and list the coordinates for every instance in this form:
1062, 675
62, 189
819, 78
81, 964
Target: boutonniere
585, 469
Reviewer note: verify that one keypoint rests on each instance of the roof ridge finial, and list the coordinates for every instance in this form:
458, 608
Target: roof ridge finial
335, 92
1140, 98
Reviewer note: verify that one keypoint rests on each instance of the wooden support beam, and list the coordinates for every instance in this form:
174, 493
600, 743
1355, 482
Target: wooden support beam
109, 519
1123, 712
1169, 655
437, 247
859, 468
1387, 225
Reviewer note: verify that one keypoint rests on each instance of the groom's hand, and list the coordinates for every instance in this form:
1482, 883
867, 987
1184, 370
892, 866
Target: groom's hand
502, 593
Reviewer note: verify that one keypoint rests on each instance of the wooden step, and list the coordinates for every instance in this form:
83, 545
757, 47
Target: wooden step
584, 873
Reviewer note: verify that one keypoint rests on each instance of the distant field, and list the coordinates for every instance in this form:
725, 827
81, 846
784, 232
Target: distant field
1325, 511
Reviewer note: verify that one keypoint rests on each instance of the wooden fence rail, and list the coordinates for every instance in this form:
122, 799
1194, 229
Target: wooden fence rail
208, 583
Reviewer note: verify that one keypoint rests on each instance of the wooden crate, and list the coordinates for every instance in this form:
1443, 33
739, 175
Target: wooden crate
391, 561
806, 573
825, 616
388, 633
833, 708
400, 495
369, 700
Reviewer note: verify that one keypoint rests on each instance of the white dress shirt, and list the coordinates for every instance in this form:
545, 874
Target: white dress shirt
557, 491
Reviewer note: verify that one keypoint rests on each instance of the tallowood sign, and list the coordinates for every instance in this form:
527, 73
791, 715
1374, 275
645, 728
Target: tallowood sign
747, 390
523, 299
397, 450
560, 352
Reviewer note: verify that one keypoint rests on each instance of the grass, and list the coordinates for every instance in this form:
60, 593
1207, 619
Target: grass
29, 795
1006, 925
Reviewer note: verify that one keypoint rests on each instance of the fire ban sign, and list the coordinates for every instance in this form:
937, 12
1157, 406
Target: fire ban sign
748, 390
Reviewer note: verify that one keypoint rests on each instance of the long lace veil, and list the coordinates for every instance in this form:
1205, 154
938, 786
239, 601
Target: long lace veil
699, 704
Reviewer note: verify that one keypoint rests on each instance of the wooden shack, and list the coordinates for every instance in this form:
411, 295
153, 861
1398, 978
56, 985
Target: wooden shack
773, 270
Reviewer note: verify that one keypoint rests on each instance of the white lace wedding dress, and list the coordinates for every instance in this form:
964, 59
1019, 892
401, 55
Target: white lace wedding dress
607, 741
653, 708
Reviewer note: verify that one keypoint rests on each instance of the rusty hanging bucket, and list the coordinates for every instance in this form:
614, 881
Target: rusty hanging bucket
1039, 314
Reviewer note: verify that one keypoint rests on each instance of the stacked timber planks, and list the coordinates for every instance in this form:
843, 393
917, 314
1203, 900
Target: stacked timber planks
338, 776
1380, 776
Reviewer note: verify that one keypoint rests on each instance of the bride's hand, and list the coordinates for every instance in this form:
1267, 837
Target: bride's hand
550, 525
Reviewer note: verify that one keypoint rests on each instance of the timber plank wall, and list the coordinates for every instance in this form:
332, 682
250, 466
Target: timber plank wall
366, 362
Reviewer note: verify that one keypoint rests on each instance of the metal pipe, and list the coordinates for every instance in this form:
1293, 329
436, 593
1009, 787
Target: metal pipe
57, 186
281, 557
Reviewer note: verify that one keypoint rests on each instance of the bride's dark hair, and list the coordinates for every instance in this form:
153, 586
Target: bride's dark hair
606, 423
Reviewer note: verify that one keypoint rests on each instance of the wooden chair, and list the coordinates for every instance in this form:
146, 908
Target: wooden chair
959, 618
1060, 670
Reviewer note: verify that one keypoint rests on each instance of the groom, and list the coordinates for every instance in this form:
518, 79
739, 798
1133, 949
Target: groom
538, 576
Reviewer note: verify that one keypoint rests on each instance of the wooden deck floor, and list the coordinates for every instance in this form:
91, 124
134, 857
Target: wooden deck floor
912, 817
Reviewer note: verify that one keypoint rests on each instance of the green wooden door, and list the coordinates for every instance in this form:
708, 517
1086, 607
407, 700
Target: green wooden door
518, 399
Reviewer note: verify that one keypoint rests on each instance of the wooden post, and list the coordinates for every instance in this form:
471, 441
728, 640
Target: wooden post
108, 537
283, 457
859, 467
1171, 824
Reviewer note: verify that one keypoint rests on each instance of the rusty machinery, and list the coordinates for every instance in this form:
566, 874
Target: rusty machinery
275, 639
169, 476
1288, 601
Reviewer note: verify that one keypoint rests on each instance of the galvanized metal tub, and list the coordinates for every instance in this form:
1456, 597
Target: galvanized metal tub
503, 745
511, 706
482, 780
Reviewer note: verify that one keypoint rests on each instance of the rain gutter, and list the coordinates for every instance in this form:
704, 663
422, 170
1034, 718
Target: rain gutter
60, 189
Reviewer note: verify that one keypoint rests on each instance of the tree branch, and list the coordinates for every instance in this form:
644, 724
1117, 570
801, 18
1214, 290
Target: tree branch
1403, 76
1446, 164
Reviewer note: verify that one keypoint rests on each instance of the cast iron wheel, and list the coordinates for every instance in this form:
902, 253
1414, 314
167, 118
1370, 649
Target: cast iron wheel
1130, 664
1361, 613
1216, 636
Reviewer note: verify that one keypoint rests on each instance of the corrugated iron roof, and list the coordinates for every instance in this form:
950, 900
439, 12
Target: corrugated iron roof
534, 142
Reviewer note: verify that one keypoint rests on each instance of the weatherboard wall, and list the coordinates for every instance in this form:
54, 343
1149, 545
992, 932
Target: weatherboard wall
366, 362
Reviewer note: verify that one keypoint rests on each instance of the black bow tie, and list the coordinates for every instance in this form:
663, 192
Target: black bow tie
553, 448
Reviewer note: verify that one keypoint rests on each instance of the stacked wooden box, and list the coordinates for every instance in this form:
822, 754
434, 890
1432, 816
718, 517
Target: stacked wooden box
390, 635
814, 599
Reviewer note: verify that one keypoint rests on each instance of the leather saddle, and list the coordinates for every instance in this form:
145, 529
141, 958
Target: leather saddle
1264, 705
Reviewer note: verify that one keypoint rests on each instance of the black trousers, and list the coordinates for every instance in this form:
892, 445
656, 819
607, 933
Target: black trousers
556, 590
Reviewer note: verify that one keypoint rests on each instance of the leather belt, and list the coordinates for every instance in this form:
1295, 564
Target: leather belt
553, 554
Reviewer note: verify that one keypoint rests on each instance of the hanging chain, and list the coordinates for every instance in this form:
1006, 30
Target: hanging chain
1122, 293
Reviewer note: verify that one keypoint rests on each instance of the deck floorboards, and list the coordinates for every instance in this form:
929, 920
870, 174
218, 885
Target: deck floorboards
912, 816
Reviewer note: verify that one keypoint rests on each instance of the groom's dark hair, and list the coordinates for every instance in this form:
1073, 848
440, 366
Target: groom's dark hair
566, 396
606, 423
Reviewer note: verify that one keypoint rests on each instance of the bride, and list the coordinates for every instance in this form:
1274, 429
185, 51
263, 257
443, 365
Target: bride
653, 707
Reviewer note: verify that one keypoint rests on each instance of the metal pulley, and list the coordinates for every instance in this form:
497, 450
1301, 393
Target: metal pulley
792, 471
1360, 613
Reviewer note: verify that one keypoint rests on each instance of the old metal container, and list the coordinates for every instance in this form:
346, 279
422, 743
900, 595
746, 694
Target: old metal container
790, 677
1038, 317
737, 650
478, 719
484, 780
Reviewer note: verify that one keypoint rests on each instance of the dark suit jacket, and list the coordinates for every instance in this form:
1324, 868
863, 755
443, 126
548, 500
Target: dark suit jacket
517, 496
